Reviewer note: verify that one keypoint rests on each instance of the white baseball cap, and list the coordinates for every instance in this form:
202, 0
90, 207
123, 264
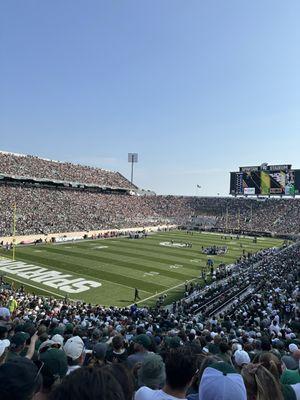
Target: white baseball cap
58, 339
293, 347
220, 381
46, 343
3, 345
241, 357
74, 347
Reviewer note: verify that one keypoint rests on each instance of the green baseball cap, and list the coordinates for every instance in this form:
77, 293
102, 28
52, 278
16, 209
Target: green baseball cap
172, 341
69, 328
175, 342
56, 361
143, 340
58, 331
19, 339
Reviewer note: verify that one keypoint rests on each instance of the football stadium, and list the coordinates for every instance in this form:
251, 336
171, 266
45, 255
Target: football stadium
149, 200
104, 239
96, 272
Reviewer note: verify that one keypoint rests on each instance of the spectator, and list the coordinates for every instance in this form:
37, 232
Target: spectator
20, 379
53, 369
117, 353
124, 377
241, 358
291, 361
142, 343
291, 377
74, 349
152, 372
260, 383
99, 355
180, 370
221, 382
4, 344
17, 344
89, 384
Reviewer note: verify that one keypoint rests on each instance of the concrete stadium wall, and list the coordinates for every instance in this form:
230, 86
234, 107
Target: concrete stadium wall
72, 235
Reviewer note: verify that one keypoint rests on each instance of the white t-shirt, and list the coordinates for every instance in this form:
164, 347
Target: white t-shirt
296, 389
145, 393
274, 328
72, 368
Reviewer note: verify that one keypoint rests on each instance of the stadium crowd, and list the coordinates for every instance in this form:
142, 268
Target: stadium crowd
45, 210
34, 167
238, 348
41, 209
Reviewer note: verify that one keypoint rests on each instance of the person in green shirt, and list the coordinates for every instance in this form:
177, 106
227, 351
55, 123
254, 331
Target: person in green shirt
290, 377
12, 304
17, 344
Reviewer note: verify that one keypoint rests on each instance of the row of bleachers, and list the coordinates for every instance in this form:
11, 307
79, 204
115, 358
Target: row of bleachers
35, 167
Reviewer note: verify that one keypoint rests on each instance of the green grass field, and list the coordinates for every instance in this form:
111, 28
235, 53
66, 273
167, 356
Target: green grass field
122, 264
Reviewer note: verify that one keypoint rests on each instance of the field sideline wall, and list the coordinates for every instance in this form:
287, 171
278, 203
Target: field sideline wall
79, 235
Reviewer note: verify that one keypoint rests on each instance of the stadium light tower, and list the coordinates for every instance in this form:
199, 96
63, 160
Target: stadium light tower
132, 158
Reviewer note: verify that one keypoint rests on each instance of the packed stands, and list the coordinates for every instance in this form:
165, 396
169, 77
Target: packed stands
47, 211
63, 206
50, 210
27, 166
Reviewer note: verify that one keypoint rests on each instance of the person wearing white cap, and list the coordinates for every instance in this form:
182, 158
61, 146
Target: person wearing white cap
274, 327
241, 358
4, 313
4, 345
74, 349
221, 382
291, 360
45, 345
293, 347
58, 340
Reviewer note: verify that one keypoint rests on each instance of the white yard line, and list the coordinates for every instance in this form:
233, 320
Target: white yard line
165, 291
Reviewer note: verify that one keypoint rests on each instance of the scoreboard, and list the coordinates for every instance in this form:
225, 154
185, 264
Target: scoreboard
265, 180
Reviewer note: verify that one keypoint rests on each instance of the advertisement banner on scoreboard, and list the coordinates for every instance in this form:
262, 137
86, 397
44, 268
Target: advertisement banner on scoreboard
249, 191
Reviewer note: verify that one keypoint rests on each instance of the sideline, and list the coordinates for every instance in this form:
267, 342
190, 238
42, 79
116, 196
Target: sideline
72, 235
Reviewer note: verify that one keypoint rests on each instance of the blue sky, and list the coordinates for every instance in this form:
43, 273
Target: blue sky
197, 88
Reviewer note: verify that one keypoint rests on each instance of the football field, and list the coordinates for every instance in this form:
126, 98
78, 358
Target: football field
106, 271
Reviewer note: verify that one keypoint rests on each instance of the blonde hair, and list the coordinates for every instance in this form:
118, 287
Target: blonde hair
261, 383
272, 363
